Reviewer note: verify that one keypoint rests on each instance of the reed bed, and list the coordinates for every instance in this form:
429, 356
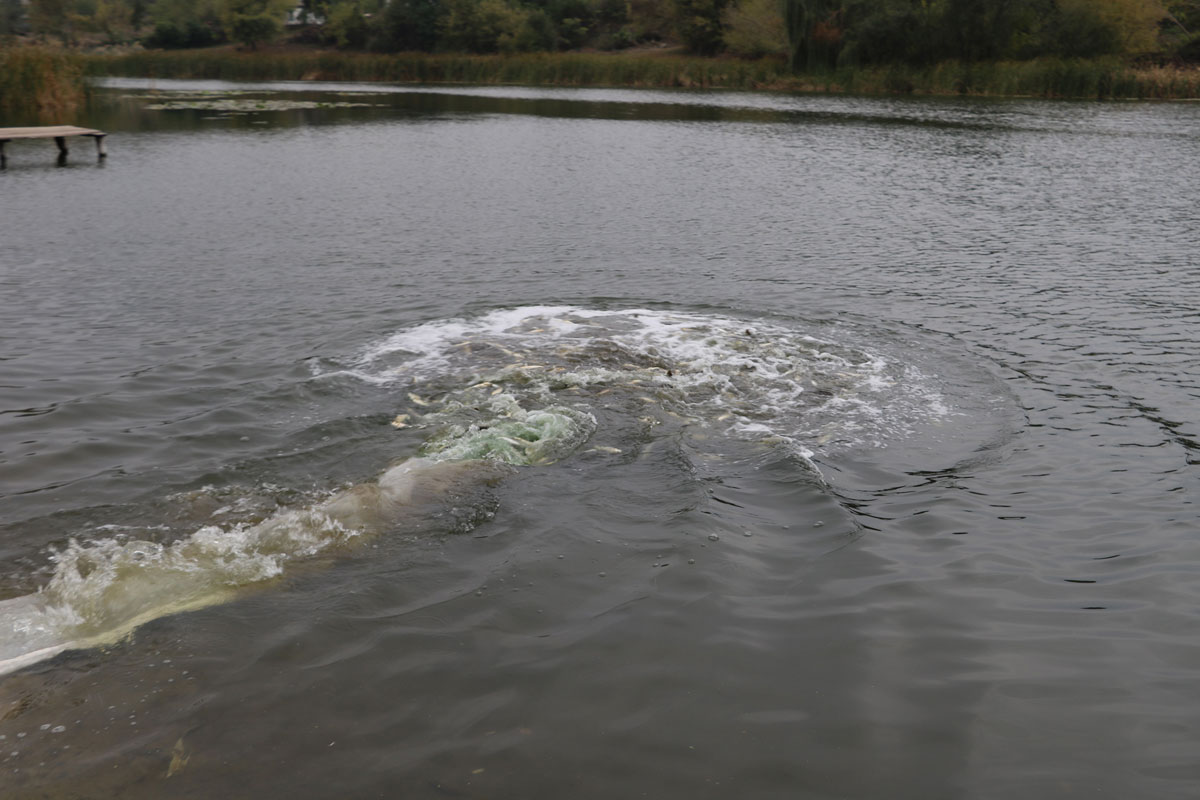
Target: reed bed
41, 83
558, 69
1051, 78
1100, 79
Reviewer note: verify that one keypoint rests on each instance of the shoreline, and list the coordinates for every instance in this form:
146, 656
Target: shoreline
1096, 79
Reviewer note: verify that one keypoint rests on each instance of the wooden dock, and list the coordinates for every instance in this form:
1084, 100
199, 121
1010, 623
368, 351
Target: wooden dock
58, 133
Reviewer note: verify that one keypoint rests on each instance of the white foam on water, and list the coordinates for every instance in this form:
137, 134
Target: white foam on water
103, 588
429, 343
760, 377
521, 437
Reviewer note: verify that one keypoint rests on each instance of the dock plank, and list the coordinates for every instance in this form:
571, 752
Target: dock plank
47, 132
58, 133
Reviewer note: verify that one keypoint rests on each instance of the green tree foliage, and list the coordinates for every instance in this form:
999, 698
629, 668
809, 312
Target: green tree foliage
755, 28
650, 20
494, 26
699, 25
475, 25
51, 18
1075, 30
181, 12
888, 31
251, 29
409, 25
169, 36
1135, 22
140, 9
346, 26
586, 23
975, 30
572, 32
183, 23
114, 19
252, 22
825, 32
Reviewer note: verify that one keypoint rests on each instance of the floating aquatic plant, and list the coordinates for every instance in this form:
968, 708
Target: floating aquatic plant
243, 104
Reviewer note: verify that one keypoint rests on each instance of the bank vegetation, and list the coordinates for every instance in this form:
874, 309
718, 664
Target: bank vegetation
1045, 48
41, 83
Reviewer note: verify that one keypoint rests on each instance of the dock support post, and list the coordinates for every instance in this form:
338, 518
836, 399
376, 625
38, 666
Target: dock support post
61, 141
3, 158
100, 146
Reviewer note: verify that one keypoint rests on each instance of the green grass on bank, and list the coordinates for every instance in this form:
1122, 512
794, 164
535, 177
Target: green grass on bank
1053, 78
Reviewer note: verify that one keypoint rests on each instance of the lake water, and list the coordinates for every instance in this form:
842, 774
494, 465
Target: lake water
534, 443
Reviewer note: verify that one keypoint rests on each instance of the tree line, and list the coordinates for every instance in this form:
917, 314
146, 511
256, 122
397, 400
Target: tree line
810, 34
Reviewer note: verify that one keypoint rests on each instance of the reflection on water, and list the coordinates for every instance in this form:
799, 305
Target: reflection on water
850, 446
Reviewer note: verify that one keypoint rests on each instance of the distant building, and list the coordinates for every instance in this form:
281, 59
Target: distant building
299, 16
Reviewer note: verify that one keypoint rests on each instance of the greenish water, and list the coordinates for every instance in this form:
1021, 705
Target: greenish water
371, 441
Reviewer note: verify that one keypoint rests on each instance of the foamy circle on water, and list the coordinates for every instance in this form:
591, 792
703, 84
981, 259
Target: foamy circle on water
754, 377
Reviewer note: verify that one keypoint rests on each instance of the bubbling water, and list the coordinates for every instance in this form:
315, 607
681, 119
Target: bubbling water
750, 377
537, 437
509, 389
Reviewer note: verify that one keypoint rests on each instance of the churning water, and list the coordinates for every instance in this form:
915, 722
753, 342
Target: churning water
361, 441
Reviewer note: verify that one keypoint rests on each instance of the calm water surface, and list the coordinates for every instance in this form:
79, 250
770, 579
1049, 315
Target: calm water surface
706, 445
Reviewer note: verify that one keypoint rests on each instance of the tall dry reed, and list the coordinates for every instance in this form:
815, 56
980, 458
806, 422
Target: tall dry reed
41, 83
1052, 78
559, 69
1081, 79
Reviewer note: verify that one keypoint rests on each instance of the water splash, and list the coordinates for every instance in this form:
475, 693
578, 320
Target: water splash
754, 377
537, 437
516, 387
104, 588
